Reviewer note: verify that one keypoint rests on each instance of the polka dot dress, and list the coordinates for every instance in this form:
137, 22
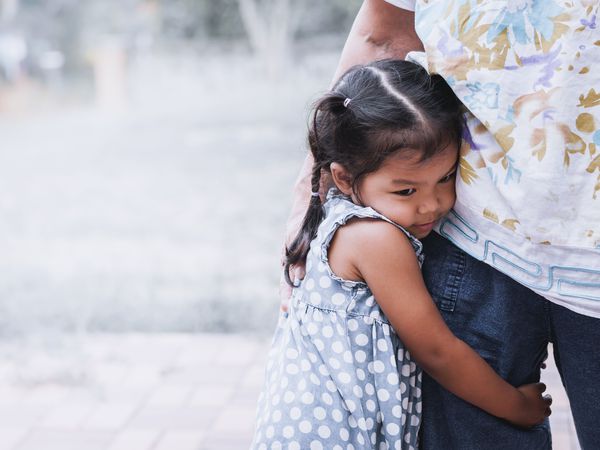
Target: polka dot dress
338, 377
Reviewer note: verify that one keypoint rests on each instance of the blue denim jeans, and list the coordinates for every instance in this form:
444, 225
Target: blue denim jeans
510, 327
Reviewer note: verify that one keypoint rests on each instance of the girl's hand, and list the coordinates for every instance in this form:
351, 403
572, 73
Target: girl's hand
533, 407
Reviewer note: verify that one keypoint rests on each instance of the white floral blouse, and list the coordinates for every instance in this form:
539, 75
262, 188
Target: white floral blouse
529, 186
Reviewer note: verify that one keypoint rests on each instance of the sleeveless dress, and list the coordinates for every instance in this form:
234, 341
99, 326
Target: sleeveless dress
337, 376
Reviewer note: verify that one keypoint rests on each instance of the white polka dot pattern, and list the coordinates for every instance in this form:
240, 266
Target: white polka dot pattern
337, 375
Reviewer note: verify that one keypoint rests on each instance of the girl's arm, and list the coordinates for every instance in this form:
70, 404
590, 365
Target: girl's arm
381, 255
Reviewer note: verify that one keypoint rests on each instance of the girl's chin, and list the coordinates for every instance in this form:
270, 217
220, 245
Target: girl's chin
421, 235
420, 231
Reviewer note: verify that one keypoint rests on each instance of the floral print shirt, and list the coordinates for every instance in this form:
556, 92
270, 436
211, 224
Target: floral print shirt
529, 187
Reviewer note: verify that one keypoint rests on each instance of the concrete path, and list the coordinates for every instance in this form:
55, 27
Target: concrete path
150, 392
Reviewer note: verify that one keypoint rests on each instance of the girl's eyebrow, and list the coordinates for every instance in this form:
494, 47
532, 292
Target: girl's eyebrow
454, 168
404, 181
416, 183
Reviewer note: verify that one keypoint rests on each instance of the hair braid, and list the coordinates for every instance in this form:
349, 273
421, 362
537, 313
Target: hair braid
296, 252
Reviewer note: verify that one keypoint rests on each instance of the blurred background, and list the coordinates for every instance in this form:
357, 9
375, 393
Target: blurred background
148, 152
148, 149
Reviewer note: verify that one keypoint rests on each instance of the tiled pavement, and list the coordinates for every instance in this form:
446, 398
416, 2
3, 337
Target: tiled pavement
150, 392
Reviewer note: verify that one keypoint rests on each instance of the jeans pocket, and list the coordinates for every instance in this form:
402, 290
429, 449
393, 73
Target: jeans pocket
443, 272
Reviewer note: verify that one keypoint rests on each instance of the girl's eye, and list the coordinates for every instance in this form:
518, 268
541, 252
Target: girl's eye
448, 177
406, 192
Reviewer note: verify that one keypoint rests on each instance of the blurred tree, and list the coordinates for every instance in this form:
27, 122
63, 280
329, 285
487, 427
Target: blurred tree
222, 21
8, 10
270, 28
274, 25
271, 25
333, 17
202, 20
50, 27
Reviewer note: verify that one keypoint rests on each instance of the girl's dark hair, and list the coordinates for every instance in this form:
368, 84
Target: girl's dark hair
373, 111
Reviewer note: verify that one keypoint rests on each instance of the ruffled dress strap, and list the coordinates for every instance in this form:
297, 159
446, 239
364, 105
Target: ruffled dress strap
339, 209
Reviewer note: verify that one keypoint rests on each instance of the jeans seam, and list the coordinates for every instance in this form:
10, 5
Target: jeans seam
549, 323
451, 292
552, 338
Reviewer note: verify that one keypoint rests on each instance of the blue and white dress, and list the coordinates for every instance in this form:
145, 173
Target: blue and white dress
338, 377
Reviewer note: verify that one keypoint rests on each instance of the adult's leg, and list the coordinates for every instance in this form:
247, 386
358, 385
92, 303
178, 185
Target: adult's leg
576, 338
507, 324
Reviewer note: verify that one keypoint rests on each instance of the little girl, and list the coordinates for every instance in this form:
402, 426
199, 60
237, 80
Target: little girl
342, 372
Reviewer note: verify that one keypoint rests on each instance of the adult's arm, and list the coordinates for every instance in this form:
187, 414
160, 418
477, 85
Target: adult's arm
380, 30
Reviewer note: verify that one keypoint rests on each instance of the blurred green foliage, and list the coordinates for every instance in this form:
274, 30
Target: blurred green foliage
74, 27
221, 20
61, 20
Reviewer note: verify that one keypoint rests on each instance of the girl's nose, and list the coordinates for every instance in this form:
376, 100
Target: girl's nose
429, 205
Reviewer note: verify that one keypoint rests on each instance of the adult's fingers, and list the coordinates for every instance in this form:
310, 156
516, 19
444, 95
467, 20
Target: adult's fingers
284, 304
298, 272
285, 292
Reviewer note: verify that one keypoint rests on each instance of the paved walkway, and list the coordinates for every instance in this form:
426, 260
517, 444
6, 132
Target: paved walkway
149, 392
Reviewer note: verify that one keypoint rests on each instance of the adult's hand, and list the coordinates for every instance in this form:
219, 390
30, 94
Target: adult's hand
285, 290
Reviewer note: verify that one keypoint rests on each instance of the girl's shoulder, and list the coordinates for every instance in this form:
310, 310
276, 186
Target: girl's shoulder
370, 240
340, 210
349, 231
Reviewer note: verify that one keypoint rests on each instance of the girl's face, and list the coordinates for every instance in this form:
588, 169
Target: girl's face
413, 194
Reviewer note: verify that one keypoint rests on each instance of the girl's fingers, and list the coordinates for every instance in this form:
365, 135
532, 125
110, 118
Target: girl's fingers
285, 292
548, 399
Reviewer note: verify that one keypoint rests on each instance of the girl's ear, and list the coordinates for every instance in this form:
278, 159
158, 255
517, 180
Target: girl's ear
341, 178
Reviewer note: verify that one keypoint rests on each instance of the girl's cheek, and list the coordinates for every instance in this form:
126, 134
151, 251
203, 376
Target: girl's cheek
452, 189
450, 198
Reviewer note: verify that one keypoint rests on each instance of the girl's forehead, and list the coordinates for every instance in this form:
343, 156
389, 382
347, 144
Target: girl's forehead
410, 160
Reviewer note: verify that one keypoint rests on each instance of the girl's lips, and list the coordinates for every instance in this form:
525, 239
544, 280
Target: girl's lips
425, 226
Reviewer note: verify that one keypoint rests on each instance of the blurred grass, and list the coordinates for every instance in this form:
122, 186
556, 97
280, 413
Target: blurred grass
165, 216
